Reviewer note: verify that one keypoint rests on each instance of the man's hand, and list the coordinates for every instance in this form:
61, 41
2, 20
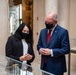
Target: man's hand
45, 51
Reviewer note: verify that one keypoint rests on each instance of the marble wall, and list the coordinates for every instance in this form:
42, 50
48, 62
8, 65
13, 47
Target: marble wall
38, 23
4, 25
51, 6
64, 13
72, 19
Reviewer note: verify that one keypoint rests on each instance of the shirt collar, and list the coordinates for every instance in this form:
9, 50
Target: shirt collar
54, 27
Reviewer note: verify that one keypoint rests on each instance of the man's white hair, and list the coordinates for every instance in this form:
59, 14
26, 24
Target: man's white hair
55, 17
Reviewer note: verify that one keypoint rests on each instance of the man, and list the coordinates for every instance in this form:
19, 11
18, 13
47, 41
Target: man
53, 44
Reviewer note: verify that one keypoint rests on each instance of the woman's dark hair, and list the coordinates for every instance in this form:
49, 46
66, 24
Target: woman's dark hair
19, 32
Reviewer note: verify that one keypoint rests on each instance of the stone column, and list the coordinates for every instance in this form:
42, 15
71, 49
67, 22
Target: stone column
63, 17
3, 24
63, 13
51, 6
38, 23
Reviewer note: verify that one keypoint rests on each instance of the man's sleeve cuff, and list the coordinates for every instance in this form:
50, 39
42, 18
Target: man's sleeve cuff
51, 53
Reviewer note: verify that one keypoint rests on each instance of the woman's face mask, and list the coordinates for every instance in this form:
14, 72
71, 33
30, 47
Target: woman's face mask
25, 35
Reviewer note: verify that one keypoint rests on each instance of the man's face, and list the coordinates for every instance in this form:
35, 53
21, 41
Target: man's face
49, 22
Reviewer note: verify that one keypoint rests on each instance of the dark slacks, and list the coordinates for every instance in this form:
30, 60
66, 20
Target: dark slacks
45, 69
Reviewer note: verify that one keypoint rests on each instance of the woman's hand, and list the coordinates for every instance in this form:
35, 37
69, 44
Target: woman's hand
26, 57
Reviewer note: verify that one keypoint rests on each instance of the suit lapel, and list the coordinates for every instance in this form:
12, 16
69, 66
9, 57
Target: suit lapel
55, 32
45, 37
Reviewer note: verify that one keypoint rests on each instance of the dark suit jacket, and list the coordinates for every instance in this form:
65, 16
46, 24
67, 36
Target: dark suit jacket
14, 49
60, 45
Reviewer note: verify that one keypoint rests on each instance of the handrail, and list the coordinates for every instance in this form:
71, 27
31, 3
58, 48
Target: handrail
73, 50
27, 65
17, 66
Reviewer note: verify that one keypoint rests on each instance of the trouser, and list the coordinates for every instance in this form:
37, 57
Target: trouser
45, 69
50, 74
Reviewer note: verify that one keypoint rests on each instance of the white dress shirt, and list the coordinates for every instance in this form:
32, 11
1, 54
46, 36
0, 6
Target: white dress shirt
25, 50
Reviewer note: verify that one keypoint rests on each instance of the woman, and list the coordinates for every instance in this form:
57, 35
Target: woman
20, 45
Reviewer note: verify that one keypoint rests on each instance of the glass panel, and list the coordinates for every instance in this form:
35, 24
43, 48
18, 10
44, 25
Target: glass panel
10, 66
